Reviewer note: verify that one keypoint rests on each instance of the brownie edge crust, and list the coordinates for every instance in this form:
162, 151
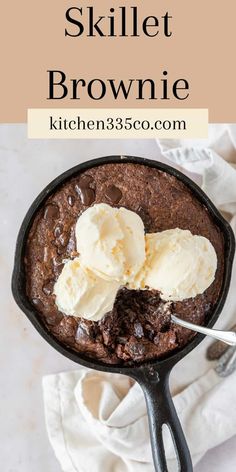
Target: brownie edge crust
139, 327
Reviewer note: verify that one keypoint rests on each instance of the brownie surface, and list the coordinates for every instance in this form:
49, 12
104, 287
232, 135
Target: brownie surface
139, 326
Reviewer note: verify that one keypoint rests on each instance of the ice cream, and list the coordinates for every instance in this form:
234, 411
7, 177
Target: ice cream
111, 242
80, 292
114, 252
178, 264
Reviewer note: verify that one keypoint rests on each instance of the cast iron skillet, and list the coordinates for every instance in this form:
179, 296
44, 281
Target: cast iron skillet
153, 376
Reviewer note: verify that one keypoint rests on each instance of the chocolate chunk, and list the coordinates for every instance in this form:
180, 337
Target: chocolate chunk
144, 215
84, 190
57, 265
58, 231
138, 330
86, 194
71, 200
51, 211
48, 287
85, 180
61, 243
63, 239
84, 332
38, 304
113, 194
71, 246
150, 332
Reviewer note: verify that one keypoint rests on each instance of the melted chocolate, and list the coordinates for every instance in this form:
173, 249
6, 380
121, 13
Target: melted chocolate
113, 194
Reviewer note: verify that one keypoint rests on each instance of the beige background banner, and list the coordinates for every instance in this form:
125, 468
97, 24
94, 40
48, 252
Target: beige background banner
201, 50
117, 123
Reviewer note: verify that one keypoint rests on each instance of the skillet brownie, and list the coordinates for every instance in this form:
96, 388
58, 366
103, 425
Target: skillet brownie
139, 327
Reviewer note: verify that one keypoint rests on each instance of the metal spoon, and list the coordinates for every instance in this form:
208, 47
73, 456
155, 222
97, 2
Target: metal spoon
228, 337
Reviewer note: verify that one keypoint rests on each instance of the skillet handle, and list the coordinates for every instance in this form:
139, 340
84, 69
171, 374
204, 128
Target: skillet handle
161, 411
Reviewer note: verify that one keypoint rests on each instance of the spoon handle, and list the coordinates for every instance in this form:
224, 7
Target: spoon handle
228, 337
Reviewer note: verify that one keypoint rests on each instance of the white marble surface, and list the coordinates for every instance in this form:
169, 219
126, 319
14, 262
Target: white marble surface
25, 168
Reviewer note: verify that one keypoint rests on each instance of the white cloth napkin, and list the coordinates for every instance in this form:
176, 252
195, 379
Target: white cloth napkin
96, 421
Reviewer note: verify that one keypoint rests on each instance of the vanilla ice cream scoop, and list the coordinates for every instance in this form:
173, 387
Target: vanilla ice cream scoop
79, 292
114, 252
111, 242
179, 264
